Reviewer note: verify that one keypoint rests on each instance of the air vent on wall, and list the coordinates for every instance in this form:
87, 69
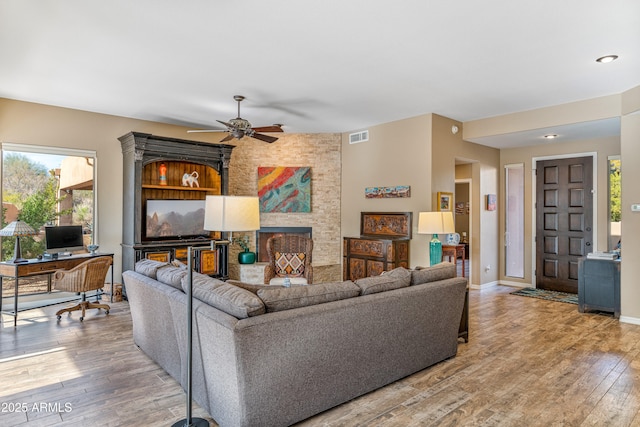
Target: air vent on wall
354, 138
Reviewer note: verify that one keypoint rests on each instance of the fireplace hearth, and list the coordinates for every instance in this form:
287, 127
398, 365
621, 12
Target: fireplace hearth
264, 233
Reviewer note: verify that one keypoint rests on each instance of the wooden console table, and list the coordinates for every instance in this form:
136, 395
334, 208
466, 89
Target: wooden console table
455, 252
37, 267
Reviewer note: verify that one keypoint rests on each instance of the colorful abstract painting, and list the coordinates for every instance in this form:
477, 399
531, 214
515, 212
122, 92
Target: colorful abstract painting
284, 189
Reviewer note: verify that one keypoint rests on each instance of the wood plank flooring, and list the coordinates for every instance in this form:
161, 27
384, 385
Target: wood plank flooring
529, 362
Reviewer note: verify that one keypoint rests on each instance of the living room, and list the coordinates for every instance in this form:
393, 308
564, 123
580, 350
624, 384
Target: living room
419, 150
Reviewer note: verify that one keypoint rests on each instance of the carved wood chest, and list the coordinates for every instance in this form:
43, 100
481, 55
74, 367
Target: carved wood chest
383, 245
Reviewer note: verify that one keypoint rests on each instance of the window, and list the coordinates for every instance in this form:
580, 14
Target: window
514, 220
615, 212
46, 186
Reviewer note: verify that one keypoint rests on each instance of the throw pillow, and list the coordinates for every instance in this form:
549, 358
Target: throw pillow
148, 267
290, 264
444, 270
301, 296
397, 278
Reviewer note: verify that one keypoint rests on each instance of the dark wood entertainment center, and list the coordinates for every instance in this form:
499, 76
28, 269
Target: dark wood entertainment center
144, 155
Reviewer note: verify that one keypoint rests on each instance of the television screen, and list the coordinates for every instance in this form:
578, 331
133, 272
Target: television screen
175, 219
64, 238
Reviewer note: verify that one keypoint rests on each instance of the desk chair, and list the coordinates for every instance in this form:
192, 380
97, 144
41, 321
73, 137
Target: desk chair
88, 276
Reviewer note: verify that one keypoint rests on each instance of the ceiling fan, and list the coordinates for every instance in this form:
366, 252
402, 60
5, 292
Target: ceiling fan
239, 128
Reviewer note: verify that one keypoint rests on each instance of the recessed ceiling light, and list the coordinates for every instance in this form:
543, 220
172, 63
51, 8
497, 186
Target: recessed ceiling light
606, 59
551, 136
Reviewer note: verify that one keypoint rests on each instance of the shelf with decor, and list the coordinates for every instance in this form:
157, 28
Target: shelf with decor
173, 187
164, 176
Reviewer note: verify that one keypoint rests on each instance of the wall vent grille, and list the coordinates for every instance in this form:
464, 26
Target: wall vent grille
357, 137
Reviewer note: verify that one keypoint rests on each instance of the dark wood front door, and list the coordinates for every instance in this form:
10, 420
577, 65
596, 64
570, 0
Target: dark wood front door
564, 220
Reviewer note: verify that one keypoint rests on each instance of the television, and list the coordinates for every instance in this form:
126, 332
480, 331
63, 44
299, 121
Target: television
174, 219
63, 238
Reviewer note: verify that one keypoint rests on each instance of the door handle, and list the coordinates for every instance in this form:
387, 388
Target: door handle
588, 243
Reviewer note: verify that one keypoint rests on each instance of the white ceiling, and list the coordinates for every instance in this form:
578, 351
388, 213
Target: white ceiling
323, 66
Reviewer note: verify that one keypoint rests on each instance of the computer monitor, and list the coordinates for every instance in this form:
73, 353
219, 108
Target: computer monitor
63, 238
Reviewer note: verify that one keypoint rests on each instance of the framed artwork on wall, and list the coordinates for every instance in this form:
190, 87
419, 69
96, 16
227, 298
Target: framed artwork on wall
284, 189
445, 201
492, 201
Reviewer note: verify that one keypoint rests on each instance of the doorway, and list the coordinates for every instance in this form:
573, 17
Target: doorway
564, 220
462, 216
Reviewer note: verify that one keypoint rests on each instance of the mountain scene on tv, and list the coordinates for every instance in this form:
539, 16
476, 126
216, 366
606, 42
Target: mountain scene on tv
167, 222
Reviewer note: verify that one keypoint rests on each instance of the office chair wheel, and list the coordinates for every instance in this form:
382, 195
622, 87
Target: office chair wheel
59, 317
81, 318
106, 311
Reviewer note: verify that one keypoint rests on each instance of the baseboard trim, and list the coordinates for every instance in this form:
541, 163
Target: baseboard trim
484, 285
515, 284
631, 320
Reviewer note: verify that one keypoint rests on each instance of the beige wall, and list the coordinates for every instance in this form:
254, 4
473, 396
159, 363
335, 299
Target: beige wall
484, 162
630, 154
397, 153
420, 152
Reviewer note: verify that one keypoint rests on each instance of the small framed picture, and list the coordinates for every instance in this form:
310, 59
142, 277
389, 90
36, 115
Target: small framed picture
445, 201
492, 201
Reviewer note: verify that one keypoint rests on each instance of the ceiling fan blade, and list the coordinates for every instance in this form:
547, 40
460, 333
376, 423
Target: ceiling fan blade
274, 128
205, 130
265, 138
227, 138
229, 125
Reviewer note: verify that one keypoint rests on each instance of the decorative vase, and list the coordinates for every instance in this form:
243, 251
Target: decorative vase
246, 257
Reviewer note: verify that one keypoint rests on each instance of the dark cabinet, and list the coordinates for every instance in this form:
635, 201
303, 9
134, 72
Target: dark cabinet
599, 285
369, 256
159, 168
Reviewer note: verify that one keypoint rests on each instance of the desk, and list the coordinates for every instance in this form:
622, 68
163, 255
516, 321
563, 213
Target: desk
36, 267
453, 252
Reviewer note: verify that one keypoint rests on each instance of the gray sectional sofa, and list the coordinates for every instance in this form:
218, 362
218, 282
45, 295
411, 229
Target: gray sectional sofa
273, 356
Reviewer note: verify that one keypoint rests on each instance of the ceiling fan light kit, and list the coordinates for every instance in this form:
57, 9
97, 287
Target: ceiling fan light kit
239, 128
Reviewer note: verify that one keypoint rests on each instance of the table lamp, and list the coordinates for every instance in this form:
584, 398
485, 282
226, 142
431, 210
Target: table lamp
221, 213
18, 229
435, 223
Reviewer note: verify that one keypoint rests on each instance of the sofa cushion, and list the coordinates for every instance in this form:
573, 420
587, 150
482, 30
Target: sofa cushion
397, 278
301, 296
251, 287
290, 263
444, 270
201, 281
231, 299
171, 275
148, 267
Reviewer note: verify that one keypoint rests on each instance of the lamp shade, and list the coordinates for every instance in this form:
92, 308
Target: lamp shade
231, 213
18, 228
436, 223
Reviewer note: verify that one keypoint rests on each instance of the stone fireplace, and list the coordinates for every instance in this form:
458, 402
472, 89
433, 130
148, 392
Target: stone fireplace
264, 233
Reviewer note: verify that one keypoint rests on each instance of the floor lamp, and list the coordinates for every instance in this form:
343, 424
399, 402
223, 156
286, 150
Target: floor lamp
227, 214
435, 223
